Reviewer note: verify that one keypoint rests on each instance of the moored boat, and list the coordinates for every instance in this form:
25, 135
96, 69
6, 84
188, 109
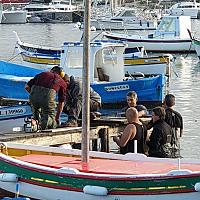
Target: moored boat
188, 8
44, 57
107, 74
52, 172
170, 36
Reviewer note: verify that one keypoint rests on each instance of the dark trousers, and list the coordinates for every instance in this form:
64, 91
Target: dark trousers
43, 106
73, 108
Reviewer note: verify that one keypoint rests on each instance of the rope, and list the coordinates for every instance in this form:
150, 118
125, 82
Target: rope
13, 57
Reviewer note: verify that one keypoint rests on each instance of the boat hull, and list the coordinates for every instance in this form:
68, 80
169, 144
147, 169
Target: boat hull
39, 192
14, 17
52, 173
196, 44
154, 45
149, 90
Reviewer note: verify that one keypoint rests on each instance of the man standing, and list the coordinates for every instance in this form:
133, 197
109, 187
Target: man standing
134, 130
175, 120
161, 137
43, 88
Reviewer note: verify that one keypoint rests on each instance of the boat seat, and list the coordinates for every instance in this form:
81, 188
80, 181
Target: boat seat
101, 75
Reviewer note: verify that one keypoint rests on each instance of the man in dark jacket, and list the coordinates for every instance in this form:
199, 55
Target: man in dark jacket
175, 120
160, 140
73, 103
43, 88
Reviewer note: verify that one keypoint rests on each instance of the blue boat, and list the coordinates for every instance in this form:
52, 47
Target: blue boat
106, 74
13, 78
149, 90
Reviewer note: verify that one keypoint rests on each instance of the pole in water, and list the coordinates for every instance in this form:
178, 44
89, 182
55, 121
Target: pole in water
17, 191
135, 146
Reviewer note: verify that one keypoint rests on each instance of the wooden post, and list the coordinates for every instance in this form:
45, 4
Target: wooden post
103, 134
86, 86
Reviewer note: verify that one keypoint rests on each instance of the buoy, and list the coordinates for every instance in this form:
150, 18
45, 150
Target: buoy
95, 190
197, 187
8, 177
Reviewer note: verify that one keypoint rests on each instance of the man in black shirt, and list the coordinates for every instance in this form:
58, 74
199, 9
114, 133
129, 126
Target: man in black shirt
175, 120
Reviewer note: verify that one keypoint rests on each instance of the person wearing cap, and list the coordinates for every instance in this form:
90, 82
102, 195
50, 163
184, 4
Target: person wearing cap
43, 88
73, 103
132, 99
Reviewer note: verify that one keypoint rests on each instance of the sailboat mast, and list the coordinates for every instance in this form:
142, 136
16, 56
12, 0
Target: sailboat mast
86, 86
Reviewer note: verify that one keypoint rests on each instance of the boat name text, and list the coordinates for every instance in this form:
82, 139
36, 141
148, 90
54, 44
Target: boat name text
14, 111
117, 88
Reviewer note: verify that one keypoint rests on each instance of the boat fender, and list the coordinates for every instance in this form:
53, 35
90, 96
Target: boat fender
197, 187
68, 170
95, 190
179, 172
8, 177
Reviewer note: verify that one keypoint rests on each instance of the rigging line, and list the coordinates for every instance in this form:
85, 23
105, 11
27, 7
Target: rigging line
13, 57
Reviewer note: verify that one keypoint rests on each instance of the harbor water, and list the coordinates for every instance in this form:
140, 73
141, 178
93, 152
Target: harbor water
185, 82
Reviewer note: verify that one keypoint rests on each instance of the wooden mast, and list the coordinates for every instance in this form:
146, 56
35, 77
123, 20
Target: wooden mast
86, 87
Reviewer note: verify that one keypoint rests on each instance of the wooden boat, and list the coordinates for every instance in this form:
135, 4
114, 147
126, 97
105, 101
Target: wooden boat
107, 74
170, 36
43, 57
55, 173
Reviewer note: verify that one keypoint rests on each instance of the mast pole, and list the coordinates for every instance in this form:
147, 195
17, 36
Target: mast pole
86, 87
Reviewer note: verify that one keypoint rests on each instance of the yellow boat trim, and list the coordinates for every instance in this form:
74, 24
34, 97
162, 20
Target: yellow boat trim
152, 188
43, 180
146, 61
41, 60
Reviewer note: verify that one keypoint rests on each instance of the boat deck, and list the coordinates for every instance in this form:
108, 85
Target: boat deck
108, 166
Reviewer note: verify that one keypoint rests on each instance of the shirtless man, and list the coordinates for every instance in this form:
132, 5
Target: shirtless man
133, 131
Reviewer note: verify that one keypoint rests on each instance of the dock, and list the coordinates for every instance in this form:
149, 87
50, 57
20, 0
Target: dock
101, 130
101, 133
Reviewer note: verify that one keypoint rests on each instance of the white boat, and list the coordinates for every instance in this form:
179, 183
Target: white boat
41, 172
56, 11
14, 17
126, 19
191, 9
135, 62
171, 36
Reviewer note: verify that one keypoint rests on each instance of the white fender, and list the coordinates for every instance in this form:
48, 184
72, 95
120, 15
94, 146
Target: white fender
68, 170
179, 172
8, 177
197, 187
95, 190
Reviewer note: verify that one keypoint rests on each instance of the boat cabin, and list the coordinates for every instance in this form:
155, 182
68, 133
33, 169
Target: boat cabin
173, 26
106, 60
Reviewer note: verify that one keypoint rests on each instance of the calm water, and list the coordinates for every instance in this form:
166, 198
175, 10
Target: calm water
185, 83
